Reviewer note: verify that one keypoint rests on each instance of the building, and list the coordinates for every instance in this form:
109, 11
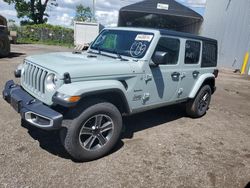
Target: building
167, 14
228, 21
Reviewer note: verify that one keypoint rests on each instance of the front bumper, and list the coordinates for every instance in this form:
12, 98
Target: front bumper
31, 109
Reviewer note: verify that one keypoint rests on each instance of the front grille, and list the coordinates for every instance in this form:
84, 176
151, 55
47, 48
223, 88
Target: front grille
34, 77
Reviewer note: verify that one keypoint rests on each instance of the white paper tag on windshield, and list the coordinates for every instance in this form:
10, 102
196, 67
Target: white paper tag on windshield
142, 37
162, 6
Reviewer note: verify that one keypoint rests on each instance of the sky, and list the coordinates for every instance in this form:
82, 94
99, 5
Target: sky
106, 10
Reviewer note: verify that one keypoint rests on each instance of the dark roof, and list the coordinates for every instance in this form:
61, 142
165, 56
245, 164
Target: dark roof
174, 16
185, 35
175, 8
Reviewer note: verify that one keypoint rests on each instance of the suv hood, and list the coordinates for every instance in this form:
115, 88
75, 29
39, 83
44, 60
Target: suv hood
82, 65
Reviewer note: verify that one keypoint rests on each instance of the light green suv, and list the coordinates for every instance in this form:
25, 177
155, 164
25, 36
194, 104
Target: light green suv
125, 71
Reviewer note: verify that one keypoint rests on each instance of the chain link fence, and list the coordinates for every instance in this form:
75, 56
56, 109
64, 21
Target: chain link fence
46, 34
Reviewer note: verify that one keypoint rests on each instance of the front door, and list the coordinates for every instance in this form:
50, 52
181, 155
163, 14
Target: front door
164, 83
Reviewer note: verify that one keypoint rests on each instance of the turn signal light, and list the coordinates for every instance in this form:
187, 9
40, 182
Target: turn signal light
74, 99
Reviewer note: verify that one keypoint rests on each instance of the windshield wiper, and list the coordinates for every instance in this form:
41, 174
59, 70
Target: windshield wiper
119, 56
114, 51
90, 51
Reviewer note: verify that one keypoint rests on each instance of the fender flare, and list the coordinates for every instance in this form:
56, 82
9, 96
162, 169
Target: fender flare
199, 83
92, 88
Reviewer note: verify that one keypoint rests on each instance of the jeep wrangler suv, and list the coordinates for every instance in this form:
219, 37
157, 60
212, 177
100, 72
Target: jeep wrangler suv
125, 71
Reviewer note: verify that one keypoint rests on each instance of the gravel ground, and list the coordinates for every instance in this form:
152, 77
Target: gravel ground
160, 148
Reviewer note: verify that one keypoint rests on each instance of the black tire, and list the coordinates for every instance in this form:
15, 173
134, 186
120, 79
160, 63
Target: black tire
4, 45
198, 106
78, 146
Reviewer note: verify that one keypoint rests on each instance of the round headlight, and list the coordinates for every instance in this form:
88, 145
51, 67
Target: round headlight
50, 83
22, 70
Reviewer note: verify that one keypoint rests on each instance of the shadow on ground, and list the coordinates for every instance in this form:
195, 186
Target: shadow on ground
248, 185
15, 54
50, 140
151, 119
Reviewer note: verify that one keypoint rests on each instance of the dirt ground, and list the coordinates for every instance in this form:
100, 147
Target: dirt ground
160, 148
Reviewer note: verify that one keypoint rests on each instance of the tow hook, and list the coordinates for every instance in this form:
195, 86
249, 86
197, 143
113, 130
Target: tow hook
31, 102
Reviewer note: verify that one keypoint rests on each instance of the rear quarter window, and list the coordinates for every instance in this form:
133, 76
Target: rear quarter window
209, 55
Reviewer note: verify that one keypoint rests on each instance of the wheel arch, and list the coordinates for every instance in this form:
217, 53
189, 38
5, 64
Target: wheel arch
112, 91
211, 82
206, 79
114, 96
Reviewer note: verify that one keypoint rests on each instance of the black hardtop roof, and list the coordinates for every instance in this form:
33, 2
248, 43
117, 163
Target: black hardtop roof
185, 35
170, 33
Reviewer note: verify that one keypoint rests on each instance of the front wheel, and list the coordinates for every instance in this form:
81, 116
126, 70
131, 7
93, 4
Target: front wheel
93, 133
198, 106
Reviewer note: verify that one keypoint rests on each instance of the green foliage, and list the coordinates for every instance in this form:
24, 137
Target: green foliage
83, 13
32, 11
110, 42
45, 34
12, 26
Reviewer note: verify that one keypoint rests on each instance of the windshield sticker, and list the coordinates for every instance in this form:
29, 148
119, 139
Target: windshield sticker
137, 49
142, 37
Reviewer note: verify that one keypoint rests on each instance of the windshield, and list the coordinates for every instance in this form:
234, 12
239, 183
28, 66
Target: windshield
127, 43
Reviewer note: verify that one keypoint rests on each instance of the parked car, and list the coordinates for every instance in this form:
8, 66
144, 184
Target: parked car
125, 71
4, 39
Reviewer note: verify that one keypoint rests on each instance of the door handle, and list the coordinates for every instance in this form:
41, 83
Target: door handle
175, 75
196, 73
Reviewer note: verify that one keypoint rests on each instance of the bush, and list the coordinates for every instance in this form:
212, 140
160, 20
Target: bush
45, 34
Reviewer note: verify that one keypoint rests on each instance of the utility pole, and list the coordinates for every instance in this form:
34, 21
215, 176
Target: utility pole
93, 16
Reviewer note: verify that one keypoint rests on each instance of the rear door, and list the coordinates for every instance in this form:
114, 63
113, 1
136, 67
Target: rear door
190, 71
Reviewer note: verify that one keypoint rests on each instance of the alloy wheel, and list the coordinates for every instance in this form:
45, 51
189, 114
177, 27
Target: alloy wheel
96, 132
204, 102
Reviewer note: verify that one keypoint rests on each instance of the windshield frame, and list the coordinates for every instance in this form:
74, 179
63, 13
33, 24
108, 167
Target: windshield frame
117, 53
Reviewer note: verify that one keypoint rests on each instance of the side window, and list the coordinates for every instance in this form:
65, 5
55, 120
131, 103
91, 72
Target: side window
209, 55
172, 47
192, 52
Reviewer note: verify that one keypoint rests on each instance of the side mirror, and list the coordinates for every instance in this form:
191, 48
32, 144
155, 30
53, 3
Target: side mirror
159, 57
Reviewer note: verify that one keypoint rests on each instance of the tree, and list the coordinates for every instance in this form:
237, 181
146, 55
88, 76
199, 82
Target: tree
12, 25
33, 11
83, 13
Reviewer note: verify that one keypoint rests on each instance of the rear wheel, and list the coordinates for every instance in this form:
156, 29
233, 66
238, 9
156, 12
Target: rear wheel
93, 133
198, 106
